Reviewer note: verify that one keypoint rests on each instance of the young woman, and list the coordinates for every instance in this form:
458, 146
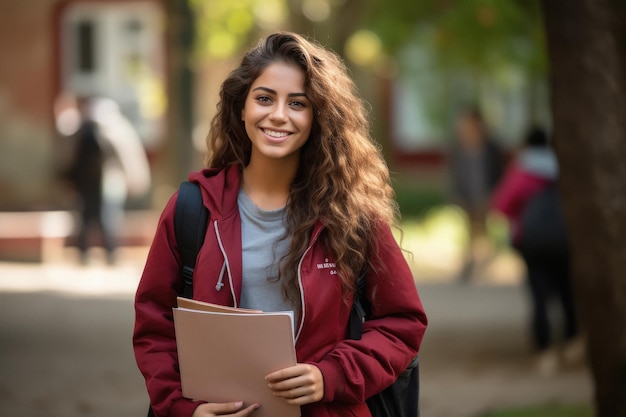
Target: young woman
300, 205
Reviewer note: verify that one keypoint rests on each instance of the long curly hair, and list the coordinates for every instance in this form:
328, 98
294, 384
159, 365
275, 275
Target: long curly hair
342, 179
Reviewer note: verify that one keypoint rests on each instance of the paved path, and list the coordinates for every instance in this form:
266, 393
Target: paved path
65, 348
475, 354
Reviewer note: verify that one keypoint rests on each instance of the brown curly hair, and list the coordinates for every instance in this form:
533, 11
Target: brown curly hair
342, 180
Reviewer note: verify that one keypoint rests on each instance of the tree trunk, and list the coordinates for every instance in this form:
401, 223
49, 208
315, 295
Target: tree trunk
180, 44
587, 51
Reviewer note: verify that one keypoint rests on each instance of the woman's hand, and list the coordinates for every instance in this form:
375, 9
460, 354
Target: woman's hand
299, 385
224, 409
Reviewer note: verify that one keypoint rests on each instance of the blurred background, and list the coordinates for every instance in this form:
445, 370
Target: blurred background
150, 71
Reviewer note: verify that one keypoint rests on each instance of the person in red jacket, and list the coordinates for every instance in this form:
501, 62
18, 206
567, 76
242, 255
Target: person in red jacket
300, 205
528, 197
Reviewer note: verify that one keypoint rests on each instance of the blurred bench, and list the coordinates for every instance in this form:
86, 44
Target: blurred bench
40, 236
34, 236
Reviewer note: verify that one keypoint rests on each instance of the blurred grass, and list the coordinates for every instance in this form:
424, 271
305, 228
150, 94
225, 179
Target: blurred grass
416, 199
435, 234
548, 410
425, 214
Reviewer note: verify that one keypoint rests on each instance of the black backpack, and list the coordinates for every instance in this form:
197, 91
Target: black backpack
542, 227
400, 399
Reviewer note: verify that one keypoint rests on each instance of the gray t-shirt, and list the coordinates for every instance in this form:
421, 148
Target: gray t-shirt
263, 245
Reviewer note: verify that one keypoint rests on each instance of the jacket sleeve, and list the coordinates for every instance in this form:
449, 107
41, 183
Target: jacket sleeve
153, 338
357, 369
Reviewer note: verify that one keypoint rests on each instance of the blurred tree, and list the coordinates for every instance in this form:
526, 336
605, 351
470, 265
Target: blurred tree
478, 37
224, 28
180, 36
587, 50
474, 48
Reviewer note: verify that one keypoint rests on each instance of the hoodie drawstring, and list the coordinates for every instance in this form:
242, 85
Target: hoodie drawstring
220, 281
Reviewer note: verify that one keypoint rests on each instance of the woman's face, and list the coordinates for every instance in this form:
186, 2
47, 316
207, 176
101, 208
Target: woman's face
277, 114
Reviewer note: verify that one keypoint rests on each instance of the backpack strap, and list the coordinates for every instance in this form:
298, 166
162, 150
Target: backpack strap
190, 222
360, 309
401, 399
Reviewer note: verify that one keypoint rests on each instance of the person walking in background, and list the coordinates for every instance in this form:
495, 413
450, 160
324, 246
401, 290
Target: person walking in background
528, 197
108, 163
300, 205
476, 163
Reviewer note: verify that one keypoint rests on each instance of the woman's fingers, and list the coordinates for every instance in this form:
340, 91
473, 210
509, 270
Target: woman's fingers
246, 411
292, 388
300, 384
232, 409
287, 373
299, 396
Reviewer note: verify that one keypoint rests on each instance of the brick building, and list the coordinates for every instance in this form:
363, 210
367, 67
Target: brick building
51, 47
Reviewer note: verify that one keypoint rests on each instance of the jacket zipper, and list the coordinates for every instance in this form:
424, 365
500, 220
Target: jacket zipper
303, 311
230, 277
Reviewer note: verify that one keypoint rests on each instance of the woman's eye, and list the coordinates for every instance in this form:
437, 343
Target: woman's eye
298, 104
264, 99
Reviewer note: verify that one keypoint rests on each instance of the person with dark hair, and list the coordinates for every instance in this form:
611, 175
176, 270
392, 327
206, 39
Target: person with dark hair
108, 163
528, 197
476, 163
300, 205
87, 175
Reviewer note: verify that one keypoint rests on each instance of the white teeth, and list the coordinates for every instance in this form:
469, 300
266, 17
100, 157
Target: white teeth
275, 134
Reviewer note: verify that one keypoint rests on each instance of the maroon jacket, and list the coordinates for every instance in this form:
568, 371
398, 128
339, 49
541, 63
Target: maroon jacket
352, 370
513, 194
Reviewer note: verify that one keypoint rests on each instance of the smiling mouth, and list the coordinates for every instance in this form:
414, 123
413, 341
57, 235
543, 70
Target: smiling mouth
275, 134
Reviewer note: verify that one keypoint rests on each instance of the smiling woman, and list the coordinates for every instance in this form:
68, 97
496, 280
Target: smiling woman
278, 118
300, 205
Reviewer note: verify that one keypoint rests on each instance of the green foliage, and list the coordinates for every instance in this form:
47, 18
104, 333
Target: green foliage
395, 21
444, 53
416, 200
224, 28
475, 34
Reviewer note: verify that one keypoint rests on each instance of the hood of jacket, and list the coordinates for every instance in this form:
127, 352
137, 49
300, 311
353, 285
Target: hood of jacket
540, 162
219, 189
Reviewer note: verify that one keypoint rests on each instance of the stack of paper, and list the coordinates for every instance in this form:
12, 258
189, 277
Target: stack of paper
225, 353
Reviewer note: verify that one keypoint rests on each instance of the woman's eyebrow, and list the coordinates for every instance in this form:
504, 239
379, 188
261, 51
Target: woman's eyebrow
269, 90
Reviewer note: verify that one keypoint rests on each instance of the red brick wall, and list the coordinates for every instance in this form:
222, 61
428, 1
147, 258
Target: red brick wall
26, 48
27, 77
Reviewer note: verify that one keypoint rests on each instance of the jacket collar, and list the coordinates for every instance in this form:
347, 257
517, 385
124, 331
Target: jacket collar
219, 189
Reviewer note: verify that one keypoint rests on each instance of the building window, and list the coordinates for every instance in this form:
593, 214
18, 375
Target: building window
85, 36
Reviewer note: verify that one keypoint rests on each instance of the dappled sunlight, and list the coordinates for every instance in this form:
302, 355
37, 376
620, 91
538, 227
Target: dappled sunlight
65, 275
364, 47
223, 28
270, 13
435, 246
316, 10
221, 44
152, 96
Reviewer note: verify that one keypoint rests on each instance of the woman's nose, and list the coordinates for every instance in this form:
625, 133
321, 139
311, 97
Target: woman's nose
278, 113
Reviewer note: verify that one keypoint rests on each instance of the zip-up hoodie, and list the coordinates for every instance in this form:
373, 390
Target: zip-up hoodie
353, 370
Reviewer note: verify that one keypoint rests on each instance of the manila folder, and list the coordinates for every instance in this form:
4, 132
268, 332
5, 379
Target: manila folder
225, 357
